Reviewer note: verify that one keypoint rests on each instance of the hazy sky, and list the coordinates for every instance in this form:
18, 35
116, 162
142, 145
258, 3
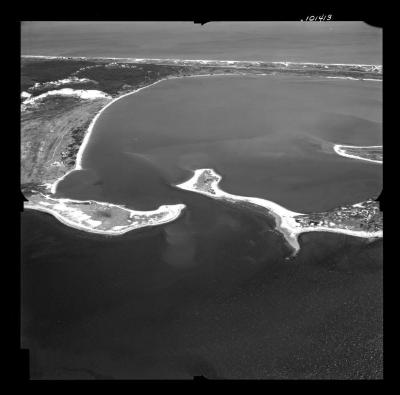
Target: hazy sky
329, 42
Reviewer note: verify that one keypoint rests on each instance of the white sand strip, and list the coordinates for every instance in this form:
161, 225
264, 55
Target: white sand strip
340, 150
355, 79
345, 78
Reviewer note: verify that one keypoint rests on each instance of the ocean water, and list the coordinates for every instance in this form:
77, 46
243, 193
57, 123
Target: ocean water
325, 42
211, 293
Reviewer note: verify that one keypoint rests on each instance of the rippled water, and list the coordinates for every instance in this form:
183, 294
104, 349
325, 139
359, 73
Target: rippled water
326, 42
211, 293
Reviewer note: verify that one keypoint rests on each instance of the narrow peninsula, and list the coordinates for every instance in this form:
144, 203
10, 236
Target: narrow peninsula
361, 219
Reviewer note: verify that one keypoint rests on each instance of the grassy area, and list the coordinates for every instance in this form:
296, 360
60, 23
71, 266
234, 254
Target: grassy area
39, 70
51, 136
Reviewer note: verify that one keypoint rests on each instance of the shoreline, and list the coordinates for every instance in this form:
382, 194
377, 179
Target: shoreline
354, 79
284, 218
283, 62
338, 149
78, 160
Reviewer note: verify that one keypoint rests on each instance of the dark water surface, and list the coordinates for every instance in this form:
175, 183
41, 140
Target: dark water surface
211, 293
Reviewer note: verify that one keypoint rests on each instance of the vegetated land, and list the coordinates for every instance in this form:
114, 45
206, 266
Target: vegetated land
100, 217
51, 136
39, 71
364, 216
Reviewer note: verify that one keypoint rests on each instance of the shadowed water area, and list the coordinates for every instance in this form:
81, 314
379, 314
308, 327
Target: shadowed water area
211, 293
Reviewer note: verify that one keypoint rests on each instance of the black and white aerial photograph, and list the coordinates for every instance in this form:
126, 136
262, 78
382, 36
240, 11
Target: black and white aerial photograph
202, 201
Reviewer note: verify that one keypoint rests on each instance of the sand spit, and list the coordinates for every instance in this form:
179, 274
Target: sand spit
284, 219
341, 150
84, 215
